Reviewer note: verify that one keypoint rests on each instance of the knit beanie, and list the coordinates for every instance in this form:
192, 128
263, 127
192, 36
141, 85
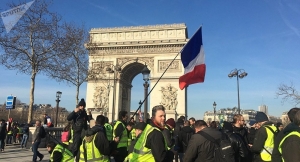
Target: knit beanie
171, 122
261, 117
81, 103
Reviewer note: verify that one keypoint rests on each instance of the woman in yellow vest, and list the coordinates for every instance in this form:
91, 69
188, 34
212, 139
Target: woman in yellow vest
59, 152
95, 146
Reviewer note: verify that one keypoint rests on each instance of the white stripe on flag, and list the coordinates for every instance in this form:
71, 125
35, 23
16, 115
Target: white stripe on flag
197, 61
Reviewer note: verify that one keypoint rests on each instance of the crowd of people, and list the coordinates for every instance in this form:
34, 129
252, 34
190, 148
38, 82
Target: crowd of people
161, 140
13, 133
184, 140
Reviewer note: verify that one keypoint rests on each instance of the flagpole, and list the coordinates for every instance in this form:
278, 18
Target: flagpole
154, 86
161, 77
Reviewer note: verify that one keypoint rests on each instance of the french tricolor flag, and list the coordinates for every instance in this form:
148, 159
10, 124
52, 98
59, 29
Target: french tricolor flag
192, 58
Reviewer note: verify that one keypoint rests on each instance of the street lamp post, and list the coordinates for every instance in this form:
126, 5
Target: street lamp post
115, 70
214, 106
58, 95
238, 73
146, 73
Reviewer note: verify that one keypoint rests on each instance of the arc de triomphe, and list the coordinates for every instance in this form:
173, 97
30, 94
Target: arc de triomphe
117, 55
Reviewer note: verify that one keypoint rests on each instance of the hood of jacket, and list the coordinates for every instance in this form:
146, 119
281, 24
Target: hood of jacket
187, 129
290, 128
94, 130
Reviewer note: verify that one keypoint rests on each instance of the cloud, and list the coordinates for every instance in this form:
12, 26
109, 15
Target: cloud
286, 20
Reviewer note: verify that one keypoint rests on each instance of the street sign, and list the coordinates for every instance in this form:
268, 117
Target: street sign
10, 102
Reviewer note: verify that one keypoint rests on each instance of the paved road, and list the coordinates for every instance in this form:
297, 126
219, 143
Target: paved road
14, 153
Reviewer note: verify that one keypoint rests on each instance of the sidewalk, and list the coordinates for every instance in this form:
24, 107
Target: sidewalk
13, 153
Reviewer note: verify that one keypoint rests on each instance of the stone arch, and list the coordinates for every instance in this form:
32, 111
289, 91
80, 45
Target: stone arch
130, 48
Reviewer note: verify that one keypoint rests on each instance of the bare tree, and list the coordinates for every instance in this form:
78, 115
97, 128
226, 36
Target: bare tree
288, 92
72, 66
32, 43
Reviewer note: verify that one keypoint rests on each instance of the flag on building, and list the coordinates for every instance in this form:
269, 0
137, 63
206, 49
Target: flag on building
192, 58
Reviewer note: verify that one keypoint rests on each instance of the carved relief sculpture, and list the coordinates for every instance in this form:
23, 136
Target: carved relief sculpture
101, 97
169, 97
174, 67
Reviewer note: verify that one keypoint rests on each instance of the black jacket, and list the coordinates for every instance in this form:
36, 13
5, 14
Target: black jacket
3, 130
101, 141
243, 132
201, 149
79, 119
259, 142
156, 142
182, 138
290, 147
239, 147
168, 134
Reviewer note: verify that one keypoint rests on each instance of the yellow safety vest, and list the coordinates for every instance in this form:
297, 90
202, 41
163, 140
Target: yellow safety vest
93, 154
269, 144
109, 131
294, 133
132, 133
131, 137
20, 130
140, 152
71, 136
171, 132
123, 141
67, 155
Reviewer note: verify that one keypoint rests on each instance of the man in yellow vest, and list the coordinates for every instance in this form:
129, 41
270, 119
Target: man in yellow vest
289, 145
120, 134
59, 152
263, 143
276, 155
151, 145
95, 146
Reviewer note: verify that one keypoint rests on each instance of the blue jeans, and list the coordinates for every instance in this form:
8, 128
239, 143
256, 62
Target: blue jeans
8, 138
35, 151
24, 140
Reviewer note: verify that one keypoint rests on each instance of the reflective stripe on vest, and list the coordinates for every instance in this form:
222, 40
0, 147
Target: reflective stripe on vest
93, 154
140, 152
294, 133
66, 154
123, 141
109, 130
269, 144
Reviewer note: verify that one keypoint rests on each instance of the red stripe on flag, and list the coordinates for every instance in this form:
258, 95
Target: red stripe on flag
195, 76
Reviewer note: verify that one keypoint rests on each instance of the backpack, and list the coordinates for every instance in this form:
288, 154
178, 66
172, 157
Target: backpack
42, 132
223, 152
65, 136
187, 139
